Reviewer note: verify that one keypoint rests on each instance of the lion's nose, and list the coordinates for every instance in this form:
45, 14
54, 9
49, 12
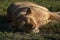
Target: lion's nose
27, 20
21, 17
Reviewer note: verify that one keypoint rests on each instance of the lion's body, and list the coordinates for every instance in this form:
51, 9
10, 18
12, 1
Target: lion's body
38, 15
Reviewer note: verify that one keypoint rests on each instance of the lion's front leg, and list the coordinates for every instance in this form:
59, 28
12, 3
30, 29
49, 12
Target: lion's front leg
36, 30
35, 25
39, 25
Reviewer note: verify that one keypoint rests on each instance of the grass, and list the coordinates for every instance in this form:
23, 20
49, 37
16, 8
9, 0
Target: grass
50, 31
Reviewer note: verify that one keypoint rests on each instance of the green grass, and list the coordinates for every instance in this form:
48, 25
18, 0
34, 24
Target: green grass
50, 31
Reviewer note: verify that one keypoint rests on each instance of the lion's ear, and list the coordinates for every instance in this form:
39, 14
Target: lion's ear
28, 11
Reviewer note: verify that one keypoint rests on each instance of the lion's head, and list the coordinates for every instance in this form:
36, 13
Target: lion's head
25, 17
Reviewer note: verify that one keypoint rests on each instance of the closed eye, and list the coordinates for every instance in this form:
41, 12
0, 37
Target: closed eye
28, 11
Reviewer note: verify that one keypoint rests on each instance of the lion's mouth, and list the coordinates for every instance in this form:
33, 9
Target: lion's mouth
23, 24
26, 21
28, 25
24, 27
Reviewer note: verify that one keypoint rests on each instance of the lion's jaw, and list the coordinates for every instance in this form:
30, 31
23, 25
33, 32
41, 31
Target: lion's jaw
25, 23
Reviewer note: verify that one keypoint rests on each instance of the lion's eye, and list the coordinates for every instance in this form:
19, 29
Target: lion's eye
28, 11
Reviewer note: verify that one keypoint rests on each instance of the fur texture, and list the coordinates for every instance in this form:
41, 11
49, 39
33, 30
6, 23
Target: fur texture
27, 16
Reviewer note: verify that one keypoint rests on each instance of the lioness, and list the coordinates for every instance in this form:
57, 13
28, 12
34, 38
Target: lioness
29, 17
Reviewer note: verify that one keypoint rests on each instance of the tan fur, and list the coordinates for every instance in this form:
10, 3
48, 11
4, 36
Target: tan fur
29, 14
55, 16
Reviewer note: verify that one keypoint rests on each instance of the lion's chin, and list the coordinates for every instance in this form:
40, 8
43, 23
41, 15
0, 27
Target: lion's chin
25, 27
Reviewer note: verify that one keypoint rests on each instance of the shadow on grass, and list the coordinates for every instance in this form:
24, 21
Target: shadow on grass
3, 24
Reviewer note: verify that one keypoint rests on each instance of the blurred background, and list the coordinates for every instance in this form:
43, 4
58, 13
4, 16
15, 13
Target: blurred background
51, 31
